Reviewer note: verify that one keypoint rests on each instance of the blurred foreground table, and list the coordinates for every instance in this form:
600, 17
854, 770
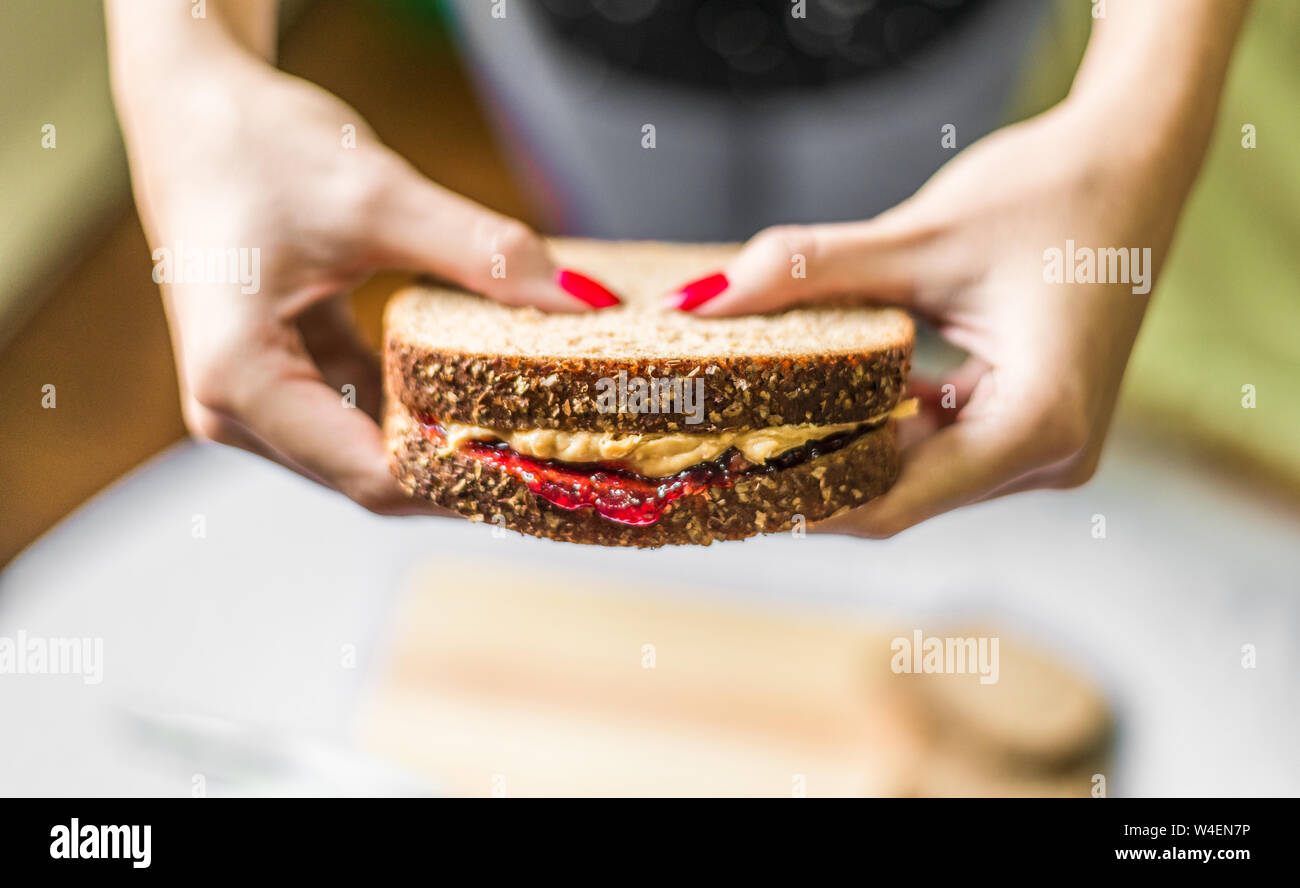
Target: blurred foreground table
280, 613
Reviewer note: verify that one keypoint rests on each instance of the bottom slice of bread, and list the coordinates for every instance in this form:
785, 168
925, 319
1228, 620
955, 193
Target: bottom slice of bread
764, 503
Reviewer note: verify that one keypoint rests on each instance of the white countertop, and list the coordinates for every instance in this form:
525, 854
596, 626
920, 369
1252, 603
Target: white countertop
251, 621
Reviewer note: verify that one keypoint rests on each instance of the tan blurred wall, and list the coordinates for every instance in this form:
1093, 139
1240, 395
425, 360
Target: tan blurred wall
53, 64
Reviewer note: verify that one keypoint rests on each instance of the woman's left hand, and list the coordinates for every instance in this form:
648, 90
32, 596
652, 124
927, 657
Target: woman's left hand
1031, 405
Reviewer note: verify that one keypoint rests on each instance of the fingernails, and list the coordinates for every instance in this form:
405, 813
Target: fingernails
583, 287
696, 293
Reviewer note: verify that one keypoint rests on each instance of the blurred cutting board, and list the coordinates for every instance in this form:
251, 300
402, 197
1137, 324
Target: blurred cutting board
506, 682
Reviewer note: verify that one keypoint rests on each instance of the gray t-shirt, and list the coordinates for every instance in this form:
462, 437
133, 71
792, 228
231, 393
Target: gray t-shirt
630, 127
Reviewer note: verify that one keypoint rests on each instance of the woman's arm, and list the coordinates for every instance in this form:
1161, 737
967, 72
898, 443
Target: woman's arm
1153, 74
156, 37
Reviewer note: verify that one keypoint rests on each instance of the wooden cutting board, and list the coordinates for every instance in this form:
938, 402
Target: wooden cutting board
509, 682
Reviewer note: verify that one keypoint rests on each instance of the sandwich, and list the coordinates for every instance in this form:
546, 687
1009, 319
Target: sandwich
639, 425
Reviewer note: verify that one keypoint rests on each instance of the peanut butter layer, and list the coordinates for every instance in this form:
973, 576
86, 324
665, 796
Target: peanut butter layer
657, 455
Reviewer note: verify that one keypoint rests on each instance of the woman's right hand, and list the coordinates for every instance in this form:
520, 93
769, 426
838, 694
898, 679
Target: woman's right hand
233, 155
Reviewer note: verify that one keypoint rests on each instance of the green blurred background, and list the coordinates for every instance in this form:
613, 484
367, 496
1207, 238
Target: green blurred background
1227, 309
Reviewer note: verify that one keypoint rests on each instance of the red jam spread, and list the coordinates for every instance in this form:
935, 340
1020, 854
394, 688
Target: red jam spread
616, 493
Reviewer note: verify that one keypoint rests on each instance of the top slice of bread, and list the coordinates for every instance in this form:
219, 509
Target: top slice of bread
464, 358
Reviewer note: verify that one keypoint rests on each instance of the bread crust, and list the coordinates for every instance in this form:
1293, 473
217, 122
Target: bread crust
739, 392
764, 503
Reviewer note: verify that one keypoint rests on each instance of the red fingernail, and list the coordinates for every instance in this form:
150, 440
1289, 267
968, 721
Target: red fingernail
590, 292
696, 293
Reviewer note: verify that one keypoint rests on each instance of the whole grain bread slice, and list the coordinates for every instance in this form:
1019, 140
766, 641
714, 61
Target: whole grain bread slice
764, 503
463, 358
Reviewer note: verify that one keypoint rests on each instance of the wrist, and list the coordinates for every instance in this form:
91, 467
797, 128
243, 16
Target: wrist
166, 98
1149, 86
159, 56
1130, 142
